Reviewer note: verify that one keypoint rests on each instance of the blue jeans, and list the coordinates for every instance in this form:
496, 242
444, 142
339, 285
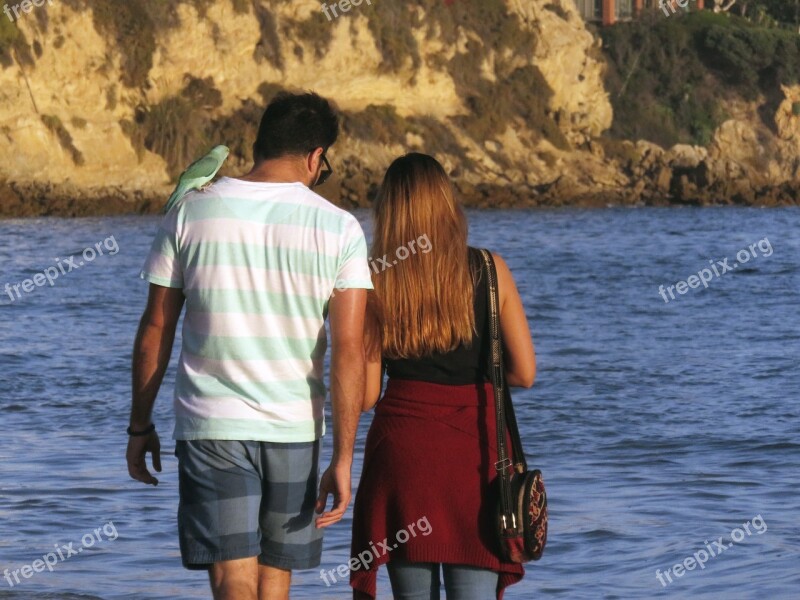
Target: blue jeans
420, 581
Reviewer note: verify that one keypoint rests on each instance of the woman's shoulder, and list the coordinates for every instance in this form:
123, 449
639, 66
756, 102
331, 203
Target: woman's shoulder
475, 252
498, 260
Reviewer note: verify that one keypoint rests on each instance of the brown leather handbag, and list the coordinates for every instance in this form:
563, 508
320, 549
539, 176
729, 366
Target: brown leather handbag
521, 516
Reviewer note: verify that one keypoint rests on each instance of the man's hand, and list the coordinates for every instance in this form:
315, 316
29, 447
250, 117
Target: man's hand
151, 352
347, 396
138, 447
335, 481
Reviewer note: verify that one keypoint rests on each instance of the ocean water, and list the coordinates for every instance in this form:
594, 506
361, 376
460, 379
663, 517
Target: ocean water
660, 426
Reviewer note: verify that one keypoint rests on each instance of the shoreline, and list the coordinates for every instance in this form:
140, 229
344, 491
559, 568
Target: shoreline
46, 200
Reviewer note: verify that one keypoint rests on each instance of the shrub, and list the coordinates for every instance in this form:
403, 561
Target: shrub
392, 25
269, 46
241, 7
783, 12
201, 93
181, 127
54, 124
316, 31
380, 124
268, 91
742, 55
520, 94
13, 45
667, 77
132, 27
439, 139
238, 131
111, 97
621, 150
132, 31
177, 127
8, 35
557, 9
173, 129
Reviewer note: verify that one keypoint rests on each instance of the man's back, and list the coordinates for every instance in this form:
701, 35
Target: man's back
257, 263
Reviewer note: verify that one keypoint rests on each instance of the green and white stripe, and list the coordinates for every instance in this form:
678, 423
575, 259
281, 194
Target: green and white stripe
257, 263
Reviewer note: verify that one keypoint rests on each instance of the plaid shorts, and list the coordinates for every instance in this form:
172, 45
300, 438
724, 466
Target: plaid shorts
245, 499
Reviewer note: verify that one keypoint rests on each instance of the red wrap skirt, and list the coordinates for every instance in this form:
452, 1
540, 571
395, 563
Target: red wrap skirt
426, 492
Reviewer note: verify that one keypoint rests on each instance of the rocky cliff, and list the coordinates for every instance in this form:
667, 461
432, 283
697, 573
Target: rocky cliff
104, 101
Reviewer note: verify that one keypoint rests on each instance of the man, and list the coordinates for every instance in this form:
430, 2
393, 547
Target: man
260, 262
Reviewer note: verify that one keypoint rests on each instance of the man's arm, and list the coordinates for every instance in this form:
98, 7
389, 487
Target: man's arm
151, 352
347, 395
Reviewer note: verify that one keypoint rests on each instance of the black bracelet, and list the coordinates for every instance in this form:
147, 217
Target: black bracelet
147, 431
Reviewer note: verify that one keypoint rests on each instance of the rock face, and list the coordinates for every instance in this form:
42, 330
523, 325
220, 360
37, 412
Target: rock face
568, 58
102, 102
745, 163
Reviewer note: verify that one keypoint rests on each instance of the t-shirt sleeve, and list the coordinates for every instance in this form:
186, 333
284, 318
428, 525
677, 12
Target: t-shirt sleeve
353, 270
163, 266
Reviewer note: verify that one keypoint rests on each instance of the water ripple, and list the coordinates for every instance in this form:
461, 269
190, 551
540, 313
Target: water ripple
657, 425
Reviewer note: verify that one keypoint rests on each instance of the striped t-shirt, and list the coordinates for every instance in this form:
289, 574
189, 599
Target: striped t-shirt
258, 263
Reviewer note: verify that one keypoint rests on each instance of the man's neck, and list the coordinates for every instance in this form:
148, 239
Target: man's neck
276, 171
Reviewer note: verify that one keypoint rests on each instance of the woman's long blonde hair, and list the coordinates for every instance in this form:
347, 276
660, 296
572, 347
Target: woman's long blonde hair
423, 303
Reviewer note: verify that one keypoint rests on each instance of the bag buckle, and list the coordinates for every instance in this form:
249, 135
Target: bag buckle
502, 465
504, 519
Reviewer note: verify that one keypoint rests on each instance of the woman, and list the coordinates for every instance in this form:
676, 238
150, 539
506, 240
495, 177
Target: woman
429, 457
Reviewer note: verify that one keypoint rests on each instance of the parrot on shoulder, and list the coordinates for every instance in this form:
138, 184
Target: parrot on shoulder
199, 174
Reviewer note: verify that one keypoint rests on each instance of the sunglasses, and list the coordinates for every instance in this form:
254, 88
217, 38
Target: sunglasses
325, 174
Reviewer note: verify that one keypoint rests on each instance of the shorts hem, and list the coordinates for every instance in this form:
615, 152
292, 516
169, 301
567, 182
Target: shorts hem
201, 562
290, 564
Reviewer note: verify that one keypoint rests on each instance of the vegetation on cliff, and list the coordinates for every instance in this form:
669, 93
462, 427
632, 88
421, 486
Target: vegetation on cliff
504, 134
781, 13
13, 45
668, 78
180, 127
519, 90
54, 124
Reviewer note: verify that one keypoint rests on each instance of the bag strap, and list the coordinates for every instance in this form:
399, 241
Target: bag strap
510, 420
504, 409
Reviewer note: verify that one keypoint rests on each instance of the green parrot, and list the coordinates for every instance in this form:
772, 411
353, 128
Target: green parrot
199, 174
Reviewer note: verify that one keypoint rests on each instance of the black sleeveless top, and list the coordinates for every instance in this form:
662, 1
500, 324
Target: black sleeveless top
466, 364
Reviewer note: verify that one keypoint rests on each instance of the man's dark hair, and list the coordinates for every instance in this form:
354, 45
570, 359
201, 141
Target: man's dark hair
295, 124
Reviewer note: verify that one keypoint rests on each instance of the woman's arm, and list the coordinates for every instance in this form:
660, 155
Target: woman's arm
518, 351
374, 380
372, 344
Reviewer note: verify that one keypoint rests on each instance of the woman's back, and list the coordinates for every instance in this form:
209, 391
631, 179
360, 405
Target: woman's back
430, 453
466, 364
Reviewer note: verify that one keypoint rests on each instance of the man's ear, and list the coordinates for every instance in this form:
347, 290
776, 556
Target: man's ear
315, 159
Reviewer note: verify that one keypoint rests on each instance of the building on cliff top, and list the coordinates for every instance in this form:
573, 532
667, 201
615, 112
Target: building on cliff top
609, 12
